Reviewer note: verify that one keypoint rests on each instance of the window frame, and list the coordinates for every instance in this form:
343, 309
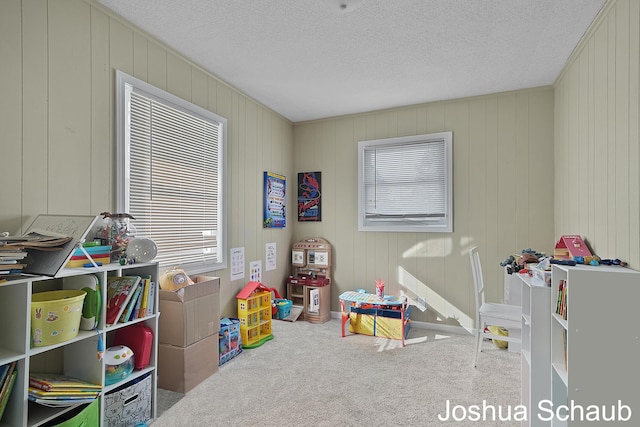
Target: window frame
405, 225
123, 169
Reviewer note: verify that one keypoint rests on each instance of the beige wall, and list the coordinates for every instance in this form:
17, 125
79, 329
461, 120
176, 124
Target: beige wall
57, 74
57, 62
597, 188
503, 197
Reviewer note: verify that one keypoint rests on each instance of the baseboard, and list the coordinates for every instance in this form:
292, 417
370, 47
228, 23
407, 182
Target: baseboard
449, 329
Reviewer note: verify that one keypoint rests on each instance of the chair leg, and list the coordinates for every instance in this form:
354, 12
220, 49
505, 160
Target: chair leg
478, 345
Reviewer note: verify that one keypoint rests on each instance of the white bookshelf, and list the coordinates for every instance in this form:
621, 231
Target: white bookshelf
513, 296
603, 344
536, 351
76, 357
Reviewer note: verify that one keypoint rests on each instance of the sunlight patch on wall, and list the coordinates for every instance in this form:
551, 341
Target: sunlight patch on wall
438, 247
465, 244
421, 293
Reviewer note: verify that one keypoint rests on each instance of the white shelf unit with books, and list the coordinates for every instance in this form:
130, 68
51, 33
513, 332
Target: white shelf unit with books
536, 351
595, 348
77, 357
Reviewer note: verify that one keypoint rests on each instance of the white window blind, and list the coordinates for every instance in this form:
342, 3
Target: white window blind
405, 183
173, 177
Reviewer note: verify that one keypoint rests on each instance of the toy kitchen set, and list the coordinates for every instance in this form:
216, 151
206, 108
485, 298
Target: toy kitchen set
309, 286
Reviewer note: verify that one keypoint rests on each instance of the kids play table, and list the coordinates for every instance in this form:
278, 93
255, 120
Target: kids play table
375, 316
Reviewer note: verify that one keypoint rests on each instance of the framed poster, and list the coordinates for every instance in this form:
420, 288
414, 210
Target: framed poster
275, 209
309, 194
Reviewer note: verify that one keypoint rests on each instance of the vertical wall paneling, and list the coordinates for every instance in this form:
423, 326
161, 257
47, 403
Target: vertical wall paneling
345, 207
621, 112
540, 185
597, 120
634, 131
102, 124
494, 137
492, 228
57, 76
582, 155
69, 107
157, 66
28, 96
612, 193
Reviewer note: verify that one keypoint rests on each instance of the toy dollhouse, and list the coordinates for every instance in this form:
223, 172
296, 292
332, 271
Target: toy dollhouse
254, 313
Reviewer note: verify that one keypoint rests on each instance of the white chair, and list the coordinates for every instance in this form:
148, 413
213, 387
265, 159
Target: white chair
488, 313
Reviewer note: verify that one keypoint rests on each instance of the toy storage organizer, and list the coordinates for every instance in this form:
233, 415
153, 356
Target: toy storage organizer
74, 356
309, 286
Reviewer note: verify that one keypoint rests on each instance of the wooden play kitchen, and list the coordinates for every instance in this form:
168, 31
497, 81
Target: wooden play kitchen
309, 286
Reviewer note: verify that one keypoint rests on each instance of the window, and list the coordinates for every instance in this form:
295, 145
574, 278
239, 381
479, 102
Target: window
171, 175
405, 184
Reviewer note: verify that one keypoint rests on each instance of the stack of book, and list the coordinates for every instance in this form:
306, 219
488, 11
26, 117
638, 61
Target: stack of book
8, 374
13, 249
11, 260
61, 390
100, 254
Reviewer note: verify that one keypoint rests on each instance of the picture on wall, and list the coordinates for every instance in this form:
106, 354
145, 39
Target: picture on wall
309, 194
275, 212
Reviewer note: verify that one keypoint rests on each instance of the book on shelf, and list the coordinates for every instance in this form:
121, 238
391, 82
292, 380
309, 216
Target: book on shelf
64, 392
58, 403
564, 345
152, 298
12, 255
120, 290
7, 388
130, 309
561, 304
53, 382
145, 297
5, 372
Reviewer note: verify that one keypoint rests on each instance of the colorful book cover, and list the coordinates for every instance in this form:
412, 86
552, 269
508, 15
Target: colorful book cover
120, 289
92, 250
49, 382
8, 370
4, 373
6, 392
145, 297
136, 310
126, 314
152, 298
70, 392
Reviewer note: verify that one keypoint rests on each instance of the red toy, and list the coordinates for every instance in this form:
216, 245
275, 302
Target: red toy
138, 338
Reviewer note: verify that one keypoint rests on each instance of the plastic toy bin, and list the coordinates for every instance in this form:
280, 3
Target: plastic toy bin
284, 308
55, 316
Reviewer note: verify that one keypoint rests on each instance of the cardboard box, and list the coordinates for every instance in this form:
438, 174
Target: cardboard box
130, 404
191, 313
182, 368
229, 339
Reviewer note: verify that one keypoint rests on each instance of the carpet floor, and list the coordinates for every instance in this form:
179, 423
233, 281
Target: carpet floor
309, 375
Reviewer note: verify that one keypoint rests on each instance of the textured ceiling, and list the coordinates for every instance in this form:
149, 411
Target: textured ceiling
310, 59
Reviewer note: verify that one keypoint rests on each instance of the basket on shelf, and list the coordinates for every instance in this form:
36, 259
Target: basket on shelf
55, 316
